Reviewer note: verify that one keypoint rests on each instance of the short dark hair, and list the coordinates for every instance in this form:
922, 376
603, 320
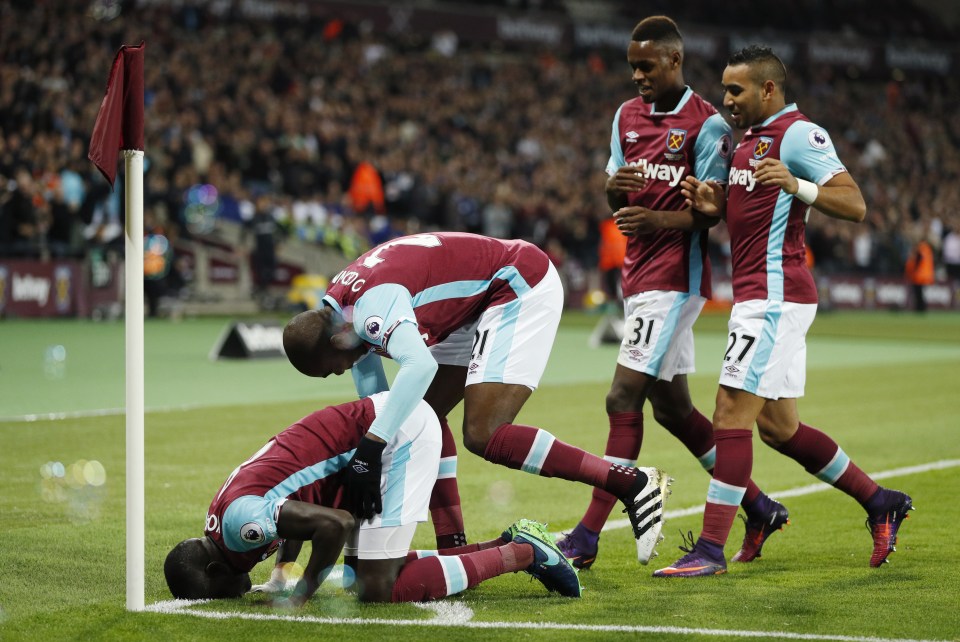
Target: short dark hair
306, 338
765, 64
657, 29
185, 568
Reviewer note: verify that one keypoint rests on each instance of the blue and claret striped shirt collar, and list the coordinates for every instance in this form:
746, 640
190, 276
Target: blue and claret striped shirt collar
789, 108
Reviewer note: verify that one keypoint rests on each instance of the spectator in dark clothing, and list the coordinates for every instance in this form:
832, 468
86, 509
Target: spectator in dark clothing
20, 222
266, 233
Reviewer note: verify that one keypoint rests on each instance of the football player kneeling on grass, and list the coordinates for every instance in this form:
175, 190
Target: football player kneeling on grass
297, 488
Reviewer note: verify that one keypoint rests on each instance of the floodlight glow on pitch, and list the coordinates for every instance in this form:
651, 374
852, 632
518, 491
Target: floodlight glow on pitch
500, 493
78, 486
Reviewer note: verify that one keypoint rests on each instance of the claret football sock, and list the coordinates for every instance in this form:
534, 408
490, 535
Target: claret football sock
696, 433
445, 509
433, 577
730, 477
822, 457
538, 452
623, 447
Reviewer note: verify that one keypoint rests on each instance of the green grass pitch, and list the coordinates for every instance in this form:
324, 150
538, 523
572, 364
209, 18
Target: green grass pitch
884, 385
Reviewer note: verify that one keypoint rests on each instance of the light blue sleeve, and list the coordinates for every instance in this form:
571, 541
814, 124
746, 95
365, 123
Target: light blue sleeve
417, 368
381, 308
808, 153
617, 159
250, 522
713, 150
368, 375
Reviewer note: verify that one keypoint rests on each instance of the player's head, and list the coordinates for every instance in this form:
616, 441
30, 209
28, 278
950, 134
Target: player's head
753, 85
196, 569
655, 54
318, 345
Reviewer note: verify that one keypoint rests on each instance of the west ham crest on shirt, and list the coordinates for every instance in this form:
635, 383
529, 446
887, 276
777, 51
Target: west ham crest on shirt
762, 147
675, 140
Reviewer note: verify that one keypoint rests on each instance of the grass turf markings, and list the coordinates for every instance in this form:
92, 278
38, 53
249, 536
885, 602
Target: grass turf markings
451, 613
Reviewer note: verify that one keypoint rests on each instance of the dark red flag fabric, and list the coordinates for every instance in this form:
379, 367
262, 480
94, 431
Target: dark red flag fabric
120, 119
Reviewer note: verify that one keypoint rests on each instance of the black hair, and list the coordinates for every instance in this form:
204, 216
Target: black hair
307, 337
184, 570
657, 29
765, 65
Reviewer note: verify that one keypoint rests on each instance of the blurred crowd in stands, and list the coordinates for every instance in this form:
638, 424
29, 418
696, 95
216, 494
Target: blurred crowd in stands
872, 18
347, 138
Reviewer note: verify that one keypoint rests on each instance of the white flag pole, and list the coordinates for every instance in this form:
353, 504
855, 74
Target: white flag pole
133, 324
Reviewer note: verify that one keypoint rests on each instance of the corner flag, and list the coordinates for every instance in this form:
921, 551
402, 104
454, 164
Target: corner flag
120, 119
119, 126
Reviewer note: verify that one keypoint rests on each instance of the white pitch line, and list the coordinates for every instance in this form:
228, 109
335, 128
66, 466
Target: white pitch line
99, 412
59, 416
110, 412
453, 616
803, 490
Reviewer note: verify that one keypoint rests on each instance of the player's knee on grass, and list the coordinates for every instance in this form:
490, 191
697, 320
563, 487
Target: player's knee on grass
377, 555
376, 578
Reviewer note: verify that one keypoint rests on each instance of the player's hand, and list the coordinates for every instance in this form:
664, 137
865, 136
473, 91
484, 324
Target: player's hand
771, 171
276, 584
271, 586
628, 179
704, 196
636, 220
363, 478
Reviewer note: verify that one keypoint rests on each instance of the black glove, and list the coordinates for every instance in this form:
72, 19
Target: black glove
363, 478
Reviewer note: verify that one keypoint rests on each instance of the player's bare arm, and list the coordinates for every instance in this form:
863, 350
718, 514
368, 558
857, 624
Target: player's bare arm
625, 181
706, 198
288, 552
326, 529
839, 197
640, 220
